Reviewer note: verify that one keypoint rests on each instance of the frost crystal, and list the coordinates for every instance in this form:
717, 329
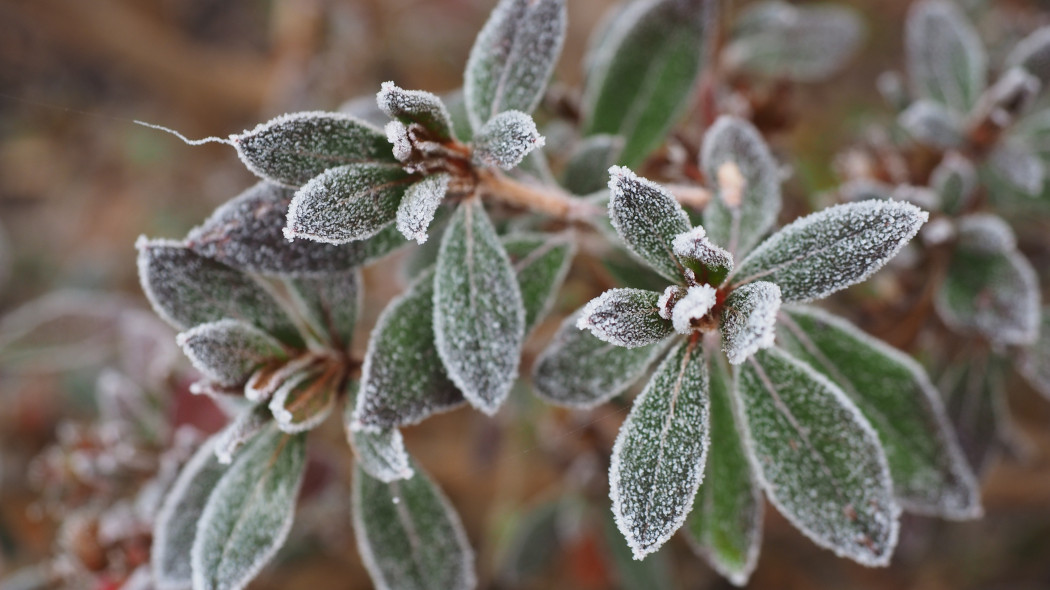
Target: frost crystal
933, 124
397, 135
697, 252
670, 297
416, 106
625, 317
331, 304
248, 423
939, 39
228, 351
647, 218
505, 140
749, 319
419, 205
380, 453
832, 249
698, 300
305, 399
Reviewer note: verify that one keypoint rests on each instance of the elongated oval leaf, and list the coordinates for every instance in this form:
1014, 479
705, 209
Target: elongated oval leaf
479, 316
1019, 167
347, 203
249, 513
832, 249
648, 219
248, 233
946, 59
725, 525
416, 106
644, 71
176, 524
748, 320
380, 453
626, 317
659, 455
187, 289
227, 352
403, 380
505, 140
955, 181
409, 535
513, 58
587, 171
331, 304
1035, 362
933, 124
709, 263
541, 262
817, 458
421, 202
975, 392
250, 422
294, 148
580, 371
930, 473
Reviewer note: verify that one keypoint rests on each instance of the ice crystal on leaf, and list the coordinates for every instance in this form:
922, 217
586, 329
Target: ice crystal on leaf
625, 317
421, 202
305, 399
938, 41
381, 453
505, 140
690, 309
695, 251
749, 319
228, 351
418, 107
648, 218
250, 422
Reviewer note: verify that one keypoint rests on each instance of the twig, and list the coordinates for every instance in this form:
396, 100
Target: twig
548, 201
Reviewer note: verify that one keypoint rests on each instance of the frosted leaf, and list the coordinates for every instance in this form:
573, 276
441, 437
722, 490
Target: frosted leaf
832, 249
955, 180
513, 58
187, 289
229, 351
505, 140
659, 455
421, 202
946, 59
250, 422
380, 453
294, 148
176, 522
403, 380
248, 233
1035, 360
931, 123
975, 399
398, 136
930, 473
1033, 54
643, 72
305, 399
587, 170
331, 304
691, 309
725, 524
268, 379
990, 287
479, 315
625, 317
580, 371
648, 219
249, 513
416, 106
347, 203
668, 299
1018, 166
710, 263
748, 321
1009, 97
541, 262
817, 458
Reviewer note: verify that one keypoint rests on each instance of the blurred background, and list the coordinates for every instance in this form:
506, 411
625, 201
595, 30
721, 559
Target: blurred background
79, 181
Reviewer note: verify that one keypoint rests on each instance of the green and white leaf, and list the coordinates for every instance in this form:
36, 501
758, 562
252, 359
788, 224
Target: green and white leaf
946, 59
832, 249
505, 140
305, 399
748, 322
409, 535
380, 453
955, 180
1035, 360
709, 263
659, 455
541, 262
1019, 167
249, 422
930, 473
227, 352
1033, 54
625, 317
648, 219
587, 170
513, 58
817, 458
479, 315
580, 371
347, 203
294, 148
249, 513
931, 123
331, 304
420, 203
416, 106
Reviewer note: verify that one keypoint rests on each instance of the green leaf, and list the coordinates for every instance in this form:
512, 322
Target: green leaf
420, 204
955, 181
725, 525
409, 535
1019, 166
580, 371
306, 398
187, 289
294, 148
513, 58
416, 106
347, 203
748, 322
249, 513
403, 380
648, 219
832, 249
248, 233
1035, 360
176, 523
479, 316
587, 170
644, 71
930, 473
626, 317
541, 262
975, 387
990, 288
659, 455
709, 263
946, 59
933, 124
505, 140
250, 422
817, 458
227, 352
380, 453
331, 304
1033, 54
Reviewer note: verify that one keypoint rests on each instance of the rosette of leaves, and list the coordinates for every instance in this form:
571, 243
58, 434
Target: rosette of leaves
837, 451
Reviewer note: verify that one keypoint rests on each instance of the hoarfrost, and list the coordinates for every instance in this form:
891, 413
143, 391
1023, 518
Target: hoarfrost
250, 422
505, 140
665, 304
398, 136
380, 453
698, 301
625, 317
421, 202
1019, 166
946, 59
331, 304
541, 262
228, 351
304, 400
748, 321
416, 106
648, 219
695, 251
932, 123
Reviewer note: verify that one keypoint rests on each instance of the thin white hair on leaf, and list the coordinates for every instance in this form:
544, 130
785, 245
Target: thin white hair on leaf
690, 309
625, 317
748, 321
